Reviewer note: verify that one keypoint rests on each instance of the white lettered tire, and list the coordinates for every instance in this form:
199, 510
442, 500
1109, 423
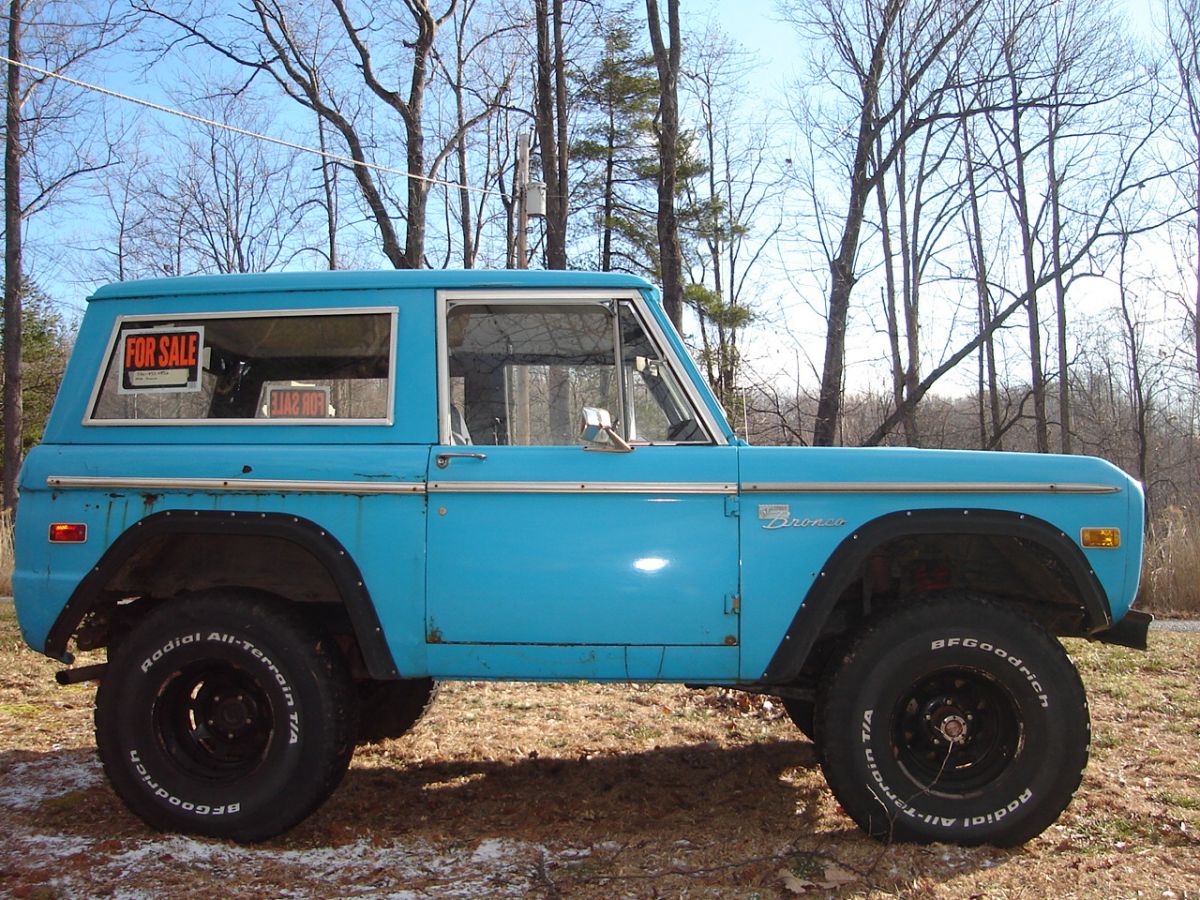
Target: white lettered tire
225, 714
954, 719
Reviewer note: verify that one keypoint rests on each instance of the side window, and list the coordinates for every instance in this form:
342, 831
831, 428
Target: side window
321, 367
522, 373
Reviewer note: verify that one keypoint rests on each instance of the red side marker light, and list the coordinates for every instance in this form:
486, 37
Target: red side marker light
68, 533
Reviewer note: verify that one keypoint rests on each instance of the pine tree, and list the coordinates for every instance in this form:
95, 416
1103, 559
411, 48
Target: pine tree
615, 149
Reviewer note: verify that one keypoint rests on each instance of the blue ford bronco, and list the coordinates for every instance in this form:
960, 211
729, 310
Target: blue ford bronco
288, 505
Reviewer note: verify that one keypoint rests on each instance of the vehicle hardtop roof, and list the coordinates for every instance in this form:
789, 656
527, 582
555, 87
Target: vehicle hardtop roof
461, 279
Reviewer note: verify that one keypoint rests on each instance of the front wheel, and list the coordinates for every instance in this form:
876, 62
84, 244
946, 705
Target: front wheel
954, 720
226, 715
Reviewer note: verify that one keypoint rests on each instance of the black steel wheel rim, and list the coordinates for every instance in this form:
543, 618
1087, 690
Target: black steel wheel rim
955, 731
214, 720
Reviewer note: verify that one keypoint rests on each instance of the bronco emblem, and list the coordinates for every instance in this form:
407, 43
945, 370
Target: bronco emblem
779, 515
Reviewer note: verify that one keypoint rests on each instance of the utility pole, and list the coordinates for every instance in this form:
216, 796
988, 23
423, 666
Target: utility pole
531, 200
522, 194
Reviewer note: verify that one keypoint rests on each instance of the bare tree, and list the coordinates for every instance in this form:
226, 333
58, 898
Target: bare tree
1183, 38
45, 149
861, 39
925, 198
731, 198
237, 201
991, 435
302, 53
478, 70
1068, 83
552, 125
13, 288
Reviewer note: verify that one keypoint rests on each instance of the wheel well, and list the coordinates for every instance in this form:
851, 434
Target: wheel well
1015, 559
174, 554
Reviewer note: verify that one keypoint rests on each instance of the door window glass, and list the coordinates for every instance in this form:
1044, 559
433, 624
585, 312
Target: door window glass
522, 374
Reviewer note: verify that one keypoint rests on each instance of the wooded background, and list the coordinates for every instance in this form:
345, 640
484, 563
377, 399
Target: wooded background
961, 223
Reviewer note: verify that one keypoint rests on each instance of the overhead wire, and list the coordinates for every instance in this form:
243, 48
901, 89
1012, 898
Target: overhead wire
225, 126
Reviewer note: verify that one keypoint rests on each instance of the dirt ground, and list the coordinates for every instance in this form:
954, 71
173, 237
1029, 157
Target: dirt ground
599, 792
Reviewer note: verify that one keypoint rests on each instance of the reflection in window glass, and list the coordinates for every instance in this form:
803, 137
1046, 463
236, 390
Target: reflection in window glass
265, 368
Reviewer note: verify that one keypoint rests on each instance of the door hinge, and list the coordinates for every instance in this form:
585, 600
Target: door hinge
731, 506
733, 605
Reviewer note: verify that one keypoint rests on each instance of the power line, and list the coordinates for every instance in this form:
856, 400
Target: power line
225, 126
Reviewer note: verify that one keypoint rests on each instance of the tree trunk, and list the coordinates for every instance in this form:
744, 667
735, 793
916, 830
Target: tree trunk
991, 438
1196, 303
609, 190
1060, 290
1137, 386
1028, 248
418, 199
666, 59
329, 188
13, 420
829, 400
890, 310
464, 196
841, 266
549, 67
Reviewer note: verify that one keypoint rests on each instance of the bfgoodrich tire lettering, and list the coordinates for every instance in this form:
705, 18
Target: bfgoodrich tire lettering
225, 715
954, 720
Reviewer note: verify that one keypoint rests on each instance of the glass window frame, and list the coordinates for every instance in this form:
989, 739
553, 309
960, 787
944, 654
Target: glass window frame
107, 358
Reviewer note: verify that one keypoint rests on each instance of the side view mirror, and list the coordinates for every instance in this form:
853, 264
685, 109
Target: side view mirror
596, 430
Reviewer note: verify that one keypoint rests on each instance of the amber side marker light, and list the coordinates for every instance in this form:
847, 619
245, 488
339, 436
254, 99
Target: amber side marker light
68, 533
1101, 538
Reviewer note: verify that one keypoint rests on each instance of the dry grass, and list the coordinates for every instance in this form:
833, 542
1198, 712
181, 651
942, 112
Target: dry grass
602, 791
1171, 570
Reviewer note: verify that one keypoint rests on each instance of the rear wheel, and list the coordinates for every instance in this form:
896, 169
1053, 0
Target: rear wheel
954, 720
225, 714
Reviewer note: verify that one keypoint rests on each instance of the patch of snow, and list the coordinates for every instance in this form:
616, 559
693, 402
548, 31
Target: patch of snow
491, 850
52, 845
25, 785
497, 867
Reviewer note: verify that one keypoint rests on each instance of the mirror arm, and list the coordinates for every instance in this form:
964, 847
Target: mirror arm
619, 444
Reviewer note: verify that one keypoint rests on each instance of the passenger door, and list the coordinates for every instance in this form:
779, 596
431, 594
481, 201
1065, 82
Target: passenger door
535, 539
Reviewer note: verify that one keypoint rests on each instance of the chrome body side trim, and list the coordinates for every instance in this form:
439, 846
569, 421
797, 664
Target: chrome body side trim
925, 487
580, 487
243, 485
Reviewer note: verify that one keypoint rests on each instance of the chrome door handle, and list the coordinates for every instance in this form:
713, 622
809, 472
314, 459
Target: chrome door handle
443, 459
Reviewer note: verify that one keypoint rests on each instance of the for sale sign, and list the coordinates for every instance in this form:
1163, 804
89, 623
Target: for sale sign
160, 360
297, 402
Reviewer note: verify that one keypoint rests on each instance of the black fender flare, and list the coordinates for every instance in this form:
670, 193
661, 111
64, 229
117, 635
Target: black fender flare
843, 564
324, 547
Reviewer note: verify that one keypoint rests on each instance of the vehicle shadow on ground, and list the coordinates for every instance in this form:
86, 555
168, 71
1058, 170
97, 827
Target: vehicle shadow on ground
748, 813
621, 796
